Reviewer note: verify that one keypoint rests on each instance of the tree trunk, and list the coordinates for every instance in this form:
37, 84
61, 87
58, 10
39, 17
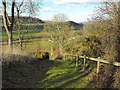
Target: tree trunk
12, 22
19, 32
118, 38
8, 26
18, 13
10, 39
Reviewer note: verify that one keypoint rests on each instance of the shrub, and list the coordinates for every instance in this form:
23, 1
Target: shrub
45, 55
60, 57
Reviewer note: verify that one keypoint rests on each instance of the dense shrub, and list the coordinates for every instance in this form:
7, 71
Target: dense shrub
60, 57
92, 46
45, 55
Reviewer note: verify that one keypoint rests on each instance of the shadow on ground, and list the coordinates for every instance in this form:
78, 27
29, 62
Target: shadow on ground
66, 75
24, 71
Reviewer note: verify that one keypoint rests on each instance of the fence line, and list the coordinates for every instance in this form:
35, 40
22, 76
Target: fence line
98, 60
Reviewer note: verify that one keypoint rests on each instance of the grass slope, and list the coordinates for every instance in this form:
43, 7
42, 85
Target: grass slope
66, 76
23, 72
27, 72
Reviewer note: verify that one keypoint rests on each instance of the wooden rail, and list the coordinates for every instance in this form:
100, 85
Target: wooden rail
98, 60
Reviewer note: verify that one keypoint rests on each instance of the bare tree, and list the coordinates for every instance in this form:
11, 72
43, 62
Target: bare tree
111, 10
106, 25
7, 24
18, 6
58, 32
30, 7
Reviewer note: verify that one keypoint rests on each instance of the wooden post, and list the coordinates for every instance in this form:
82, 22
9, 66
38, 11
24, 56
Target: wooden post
76, 60
84, 63
70, 57
98, 64
64, 57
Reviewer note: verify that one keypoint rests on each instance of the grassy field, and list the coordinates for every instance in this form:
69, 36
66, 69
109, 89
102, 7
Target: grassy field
67, 75
31, 33
27, 72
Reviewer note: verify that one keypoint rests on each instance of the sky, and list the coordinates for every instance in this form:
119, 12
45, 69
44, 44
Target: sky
75, 10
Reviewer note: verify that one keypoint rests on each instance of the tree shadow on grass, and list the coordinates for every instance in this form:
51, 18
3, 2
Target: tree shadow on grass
76, 76
24, 71
64, 75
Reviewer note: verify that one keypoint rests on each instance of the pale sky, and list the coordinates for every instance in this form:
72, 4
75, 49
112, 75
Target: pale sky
75, 10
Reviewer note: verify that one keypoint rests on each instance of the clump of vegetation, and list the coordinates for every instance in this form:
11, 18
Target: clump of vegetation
91, 46
45, 55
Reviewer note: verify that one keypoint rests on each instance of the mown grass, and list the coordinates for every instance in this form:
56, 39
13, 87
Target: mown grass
27, 72
66, 75
30, 33
33, 24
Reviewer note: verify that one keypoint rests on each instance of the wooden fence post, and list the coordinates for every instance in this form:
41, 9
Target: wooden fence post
98, 64
70, 57
76, 57
84, 63
64, 57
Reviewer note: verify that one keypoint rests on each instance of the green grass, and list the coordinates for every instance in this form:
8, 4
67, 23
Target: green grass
31, 33
66, 75
33, 24
27, 72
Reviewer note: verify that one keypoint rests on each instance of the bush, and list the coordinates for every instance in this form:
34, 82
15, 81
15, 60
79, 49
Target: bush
38, 54
45, 55
60, 57
92, 46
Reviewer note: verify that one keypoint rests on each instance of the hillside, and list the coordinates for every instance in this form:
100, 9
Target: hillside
28, 23
30, 20
76, 26
31, 23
